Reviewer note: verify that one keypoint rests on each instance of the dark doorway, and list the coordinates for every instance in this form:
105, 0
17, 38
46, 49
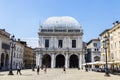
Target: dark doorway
60, 61
46, 60
73, 61
6, 61
2, 60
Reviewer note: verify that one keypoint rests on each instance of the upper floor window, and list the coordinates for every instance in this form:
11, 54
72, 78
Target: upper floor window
115, 45
60, 43
73, 43
95, 49
118, 34
95, 44
112, 56
111, 38
46, 43
111, 46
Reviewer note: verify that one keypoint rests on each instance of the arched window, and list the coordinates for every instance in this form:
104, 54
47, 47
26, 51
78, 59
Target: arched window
96, 58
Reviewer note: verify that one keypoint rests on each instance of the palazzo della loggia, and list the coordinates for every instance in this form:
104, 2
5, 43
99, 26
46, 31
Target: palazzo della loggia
60, 43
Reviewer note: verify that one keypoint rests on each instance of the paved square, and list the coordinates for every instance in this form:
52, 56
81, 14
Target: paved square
57, 74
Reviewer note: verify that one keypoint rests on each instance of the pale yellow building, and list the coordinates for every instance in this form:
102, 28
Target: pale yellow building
28, 57
113, 46
103, 53
115, 43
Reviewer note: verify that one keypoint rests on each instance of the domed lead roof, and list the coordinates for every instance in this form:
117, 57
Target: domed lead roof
61, 22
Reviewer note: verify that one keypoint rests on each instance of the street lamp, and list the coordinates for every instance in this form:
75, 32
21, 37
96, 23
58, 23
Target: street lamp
113, 67
112, 62
12, 46
105, 44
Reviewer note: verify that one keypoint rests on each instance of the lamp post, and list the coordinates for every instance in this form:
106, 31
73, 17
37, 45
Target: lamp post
12, 46
105, 44
112, 55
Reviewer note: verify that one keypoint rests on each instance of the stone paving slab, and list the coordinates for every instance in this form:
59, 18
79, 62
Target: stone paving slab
57, 74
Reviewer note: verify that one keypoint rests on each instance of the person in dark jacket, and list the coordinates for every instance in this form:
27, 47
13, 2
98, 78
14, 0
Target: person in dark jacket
38, 69
19, 70
64, 69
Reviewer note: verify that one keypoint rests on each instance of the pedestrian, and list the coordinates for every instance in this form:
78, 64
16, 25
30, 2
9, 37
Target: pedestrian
19, 70
42, 67
64, 69
45, 69
38, 69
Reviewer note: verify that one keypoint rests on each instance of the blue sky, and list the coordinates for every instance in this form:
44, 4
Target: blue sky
22, 17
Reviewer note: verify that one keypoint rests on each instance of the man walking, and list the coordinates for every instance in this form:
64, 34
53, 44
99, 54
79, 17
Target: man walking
19, 70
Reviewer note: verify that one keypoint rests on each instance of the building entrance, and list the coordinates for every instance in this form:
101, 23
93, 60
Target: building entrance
73, 61
46, 60
2, 60
60, 61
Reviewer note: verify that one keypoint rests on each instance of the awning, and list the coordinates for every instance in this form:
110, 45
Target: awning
101, 63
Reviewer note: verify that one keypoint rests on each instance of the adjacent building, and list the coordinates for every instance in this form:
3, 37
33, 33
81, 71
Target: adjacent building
115, 43
93, 51
18, 55
4, 49
28, 56
22, 54
103, 53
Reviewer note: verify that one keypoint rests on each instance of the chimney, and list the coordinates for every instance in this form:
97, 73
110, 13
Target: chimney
18, 39
117, 22
3, 29
113, 23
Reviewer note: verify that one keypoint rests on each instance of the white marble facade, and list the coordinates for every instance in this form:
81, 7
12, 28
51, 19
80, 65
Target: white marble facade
18, 55
60, 41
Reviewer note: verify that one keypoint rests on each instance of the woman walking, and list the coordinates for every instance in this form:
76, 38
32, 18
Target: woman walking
64, 69
38, 69
45, 69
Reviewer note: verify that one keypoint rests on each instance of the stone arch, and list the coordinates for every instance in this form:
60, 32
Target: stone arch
46, 60
60, 61
59, 54
74, 61
73, 54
